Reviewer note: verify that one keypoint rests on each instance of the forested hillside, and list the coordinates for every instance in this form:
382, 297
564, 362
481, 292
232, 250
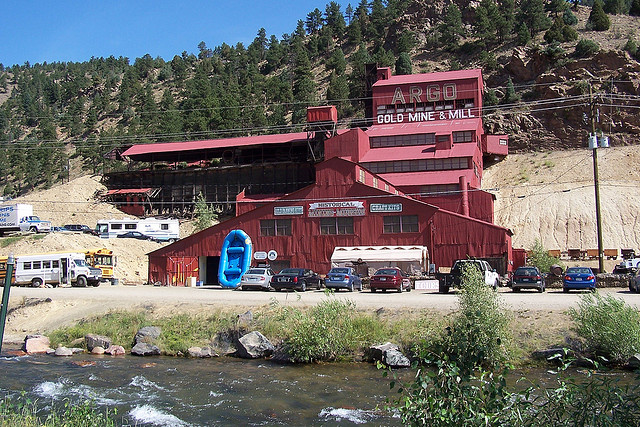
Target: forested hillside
540, 59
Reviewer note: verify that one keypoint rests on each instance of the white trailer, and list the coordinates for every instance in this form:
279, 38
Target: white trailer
162, 230
19, 217
56, 269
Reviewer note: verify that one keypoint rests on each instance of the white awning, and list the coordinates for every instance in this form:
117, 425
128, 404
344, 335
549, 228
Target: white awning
357, 254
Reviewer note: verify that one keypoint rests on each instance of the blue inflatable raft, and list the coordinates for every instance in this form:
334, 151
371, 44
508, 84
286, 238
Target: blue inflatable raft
235, 258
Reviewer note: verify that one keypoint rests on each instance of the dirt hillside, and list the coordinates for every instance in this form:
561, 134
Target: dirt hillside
75, 203
550, 196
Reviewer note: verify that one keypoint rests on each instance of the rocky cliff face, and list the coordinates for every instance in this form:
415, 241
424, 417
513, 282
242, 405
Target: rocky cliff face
555, 112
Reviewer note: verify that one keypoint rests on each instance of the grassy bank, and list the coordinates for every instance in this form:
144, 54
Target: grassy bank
335, 330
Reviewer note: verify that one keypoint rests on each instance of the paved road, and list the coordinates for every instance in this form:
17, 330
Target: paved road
123, 296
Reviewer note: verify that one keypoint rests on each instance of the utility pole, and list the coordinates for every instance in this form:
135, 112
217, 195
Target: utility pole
594, 150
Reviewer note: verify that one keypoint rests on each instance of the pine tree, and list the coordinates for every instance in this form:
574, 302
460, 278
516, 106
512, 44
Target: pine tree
403, 64
451, 28
314, 21
635, 8
510, 95
598, 20
334, 19
524, 35
303, 86
532, 13
506, 20
338, 93
337, 62
614, 7
203, 213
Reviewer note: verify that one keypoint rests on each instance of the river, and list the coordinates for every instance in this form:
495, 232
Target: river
169, 391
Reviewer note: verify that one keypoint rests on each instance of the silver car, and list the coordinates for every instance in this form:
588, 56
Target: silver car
257, 278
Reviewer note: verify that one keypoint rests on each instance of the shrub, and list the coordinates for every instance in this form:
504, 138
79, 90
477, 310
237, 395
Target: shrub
539, 257
631, 46
586, 48
598, 19
324, 334
609, 327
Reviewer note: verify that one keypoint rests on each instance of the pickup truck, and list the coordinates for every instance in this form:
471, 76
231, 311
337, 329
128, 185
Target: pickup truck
453, 279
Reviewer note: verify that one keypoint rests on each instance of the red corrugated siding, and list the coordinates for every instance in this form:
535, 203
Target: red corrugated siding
456, 237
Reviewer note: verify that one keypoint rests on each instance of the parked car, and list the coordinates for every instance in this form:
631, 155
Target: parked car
257, 278
390, 278
343, 278
79, 228
578, 278
634, 282
527, 278
135, 235
296, 278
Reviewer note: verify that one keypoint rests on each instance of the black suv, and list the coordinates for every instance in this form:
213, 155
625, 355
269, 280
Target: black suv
80, 228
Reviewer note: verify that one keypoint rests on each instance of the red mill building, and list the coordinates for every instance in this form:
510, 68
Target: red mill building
410, 181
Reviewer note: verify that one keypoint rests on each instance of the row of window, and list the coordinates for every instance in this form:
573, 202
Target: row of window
419, 107
418, 165
340, 225
37, 265
419, 139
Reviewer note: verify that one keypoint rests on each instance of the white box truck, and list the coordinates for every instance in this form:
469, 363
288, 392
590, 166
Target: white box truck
20, 217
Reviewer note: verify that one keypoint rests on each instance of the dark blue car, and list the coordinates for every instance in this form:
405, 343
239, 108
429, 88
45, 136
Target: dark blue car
578, 278
343, 278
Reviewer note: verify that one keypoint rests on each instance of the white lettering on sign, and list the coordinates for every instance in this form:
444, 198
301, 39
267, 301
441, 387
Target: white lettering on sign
326, 205
385, 207
288, 210
427, 116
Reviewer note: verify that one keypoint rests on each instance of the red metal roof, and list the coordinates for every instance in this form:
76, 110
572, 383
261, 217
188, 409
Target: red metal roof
431, 77
439, 127
128, 191
418, 152
167, 147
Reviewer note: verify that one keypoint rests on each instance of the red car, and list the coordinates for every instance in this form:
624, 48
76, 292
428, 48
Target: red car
390, 278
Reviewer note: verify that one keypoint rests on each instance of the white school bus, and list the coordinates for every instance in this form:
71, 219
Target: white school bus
69, 269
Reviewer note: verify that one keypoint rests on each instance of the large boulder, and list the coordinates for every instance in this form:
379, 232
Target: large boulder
254, 345
148, 334
145, 349
36, 344
389, 354
93, 340
115, 350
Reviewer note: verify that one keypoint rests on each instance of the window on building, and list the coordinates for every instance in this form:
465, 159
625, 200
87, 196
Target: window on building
442, 138
26, 265
400, 224
362, 175
46, 264
375, 182
275, 227
465, 136
37, 265
402, 140
339, 225
418, 165
116, 226
130, 226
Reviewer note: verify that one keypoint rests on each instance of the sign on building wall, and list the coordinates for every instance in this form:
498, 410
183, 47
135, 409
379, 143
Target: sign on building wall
385, 207
334, 209
288, 210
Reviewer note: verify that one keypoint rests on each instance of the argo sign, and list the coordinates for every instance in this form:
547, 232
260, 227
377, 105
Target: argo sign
431, 93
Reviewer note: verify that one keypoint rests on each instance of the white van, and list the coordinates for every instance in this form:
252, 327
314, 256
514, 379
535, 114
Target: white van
56, 269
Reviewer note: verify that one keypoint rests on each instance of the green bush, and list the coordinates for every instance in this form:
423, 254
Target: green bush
324, 334
586, 48
23, 412
539, 257
479, 334
610, 327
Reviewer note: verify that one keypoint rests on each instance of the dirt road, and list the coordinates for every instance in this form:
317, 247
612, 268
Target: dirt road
32, 312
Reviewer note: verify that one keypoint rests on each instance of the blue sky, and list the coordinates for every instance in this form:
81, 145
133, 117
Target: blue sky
74, 31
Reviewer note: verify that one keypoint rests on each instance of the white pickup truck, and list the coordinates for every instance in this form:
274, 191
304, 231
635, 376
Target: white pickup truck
452, 280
